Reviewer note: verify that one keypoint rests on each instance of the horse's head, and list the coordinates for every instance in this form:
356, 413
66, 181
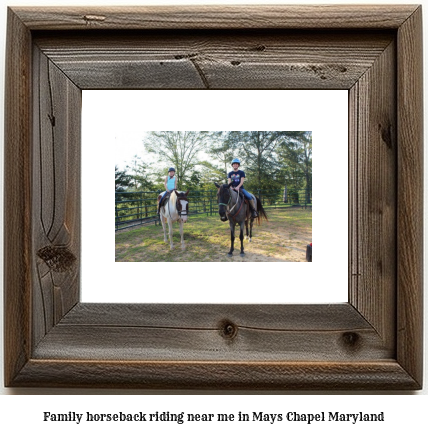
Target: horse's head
182, 204
223, 199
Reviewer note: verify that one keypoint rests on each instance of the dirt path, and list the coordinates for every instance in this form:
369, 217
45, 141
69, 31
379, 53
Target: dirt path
282, 239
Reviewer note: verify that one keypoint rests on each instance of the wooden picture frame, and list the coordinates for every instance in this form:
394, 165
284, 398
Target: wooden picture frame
372, 342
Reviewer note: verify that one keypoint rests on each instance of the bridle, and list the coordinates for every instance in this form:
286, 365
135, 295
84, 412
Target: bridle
226, 204
229, 211
179, 206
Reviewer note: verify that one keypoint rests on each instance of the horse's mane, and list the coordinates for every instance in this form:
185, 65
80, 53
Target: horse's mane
174, 197
224, 187
172, 200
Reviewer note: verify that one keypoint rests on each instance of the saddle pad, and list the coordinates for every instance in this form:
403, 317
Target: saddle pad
166, 199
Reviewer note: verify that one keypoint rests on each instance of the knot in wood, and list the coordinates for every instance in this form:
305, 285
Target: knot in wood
186, 56
58, 259
228, 330
257, 48
386, 134
94, 18
351, 340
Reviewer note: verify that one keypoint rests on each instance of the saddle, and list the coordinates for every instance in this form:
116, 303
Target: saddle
247, 201
165, 199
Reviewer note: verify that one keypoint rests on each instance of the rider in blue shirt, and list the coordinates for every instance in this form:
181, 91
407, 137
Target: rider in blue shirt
237, 177
170, 185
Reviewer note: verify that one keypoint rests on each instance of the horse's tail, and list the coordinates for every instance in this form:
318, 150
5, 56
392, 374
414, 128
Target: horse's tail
260, 211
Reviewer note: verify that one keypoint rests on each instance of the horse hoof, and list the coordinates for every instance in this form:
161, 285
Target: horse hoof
242, 254
230, 255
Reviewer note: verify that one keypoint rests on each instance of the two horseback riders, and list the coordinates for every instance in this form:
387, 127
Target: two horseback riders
235, 204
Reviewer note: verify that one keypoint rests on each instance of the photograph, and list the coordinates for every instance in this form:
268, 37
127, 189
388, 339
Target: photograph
189, 189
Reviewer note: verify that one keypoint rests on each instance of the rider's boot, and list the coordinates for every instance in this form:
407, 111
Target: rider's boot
252, 209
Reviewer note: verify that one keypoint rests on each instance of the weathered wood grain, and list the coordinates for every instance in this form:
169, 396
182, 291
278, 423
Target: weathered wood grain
410, 196
322, 317
17, 198
386, 375
372, 342
373, 161
56, 194
214, 332
216, 17
216, 59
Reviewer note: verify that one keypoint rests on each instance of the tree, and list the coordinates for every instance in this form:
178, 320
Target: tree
295, 156
142, 198
223, 150
257, 149
179, 149
122, 180
122, 183
211, 173
141, 174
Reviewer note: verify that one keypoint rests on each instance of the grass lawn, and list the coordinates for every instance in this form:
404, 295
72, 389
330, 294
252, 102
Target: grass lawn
283, 238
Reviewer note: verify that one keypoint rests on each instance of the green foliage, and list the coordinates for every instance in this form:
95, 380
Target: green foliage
209, 173
295, 157
270, 159
180, 149
141, 174
122, 182
221, 150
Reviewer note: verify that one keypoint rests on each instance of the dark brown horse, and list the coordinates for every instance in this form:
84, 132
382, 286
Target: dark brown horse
233, 207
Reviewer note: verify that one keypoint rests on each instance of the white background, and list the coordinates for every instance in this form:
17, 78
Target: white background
404, 413
110, 114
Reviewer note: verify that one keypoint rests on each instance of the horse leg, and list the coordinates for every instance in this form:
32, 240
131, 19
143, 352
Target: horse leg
171, 244
162, 218
251, 228
182, 235
241, 237
247, 219
232, 238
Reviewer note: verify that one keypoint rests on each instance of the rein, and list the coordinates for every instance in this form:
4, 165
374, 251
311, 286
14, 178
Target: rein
237, 200
230, 210
237, 212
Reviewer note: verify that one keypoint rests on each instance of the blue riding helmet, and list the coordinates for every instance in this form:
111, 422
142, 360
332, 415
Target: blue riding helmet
236, 160
171, 169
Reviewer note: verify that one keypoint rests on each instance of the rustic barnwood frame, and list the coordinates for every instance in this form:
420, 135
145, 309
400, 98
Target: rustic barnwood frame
372, 342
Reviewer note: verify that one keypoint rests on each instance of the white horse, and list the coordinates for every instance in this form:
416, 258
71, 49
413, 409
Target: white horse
175, 209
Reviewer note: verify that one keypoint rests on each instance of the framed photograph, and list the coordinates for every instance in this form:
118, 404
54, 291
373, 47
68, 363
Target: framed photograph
373, 341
